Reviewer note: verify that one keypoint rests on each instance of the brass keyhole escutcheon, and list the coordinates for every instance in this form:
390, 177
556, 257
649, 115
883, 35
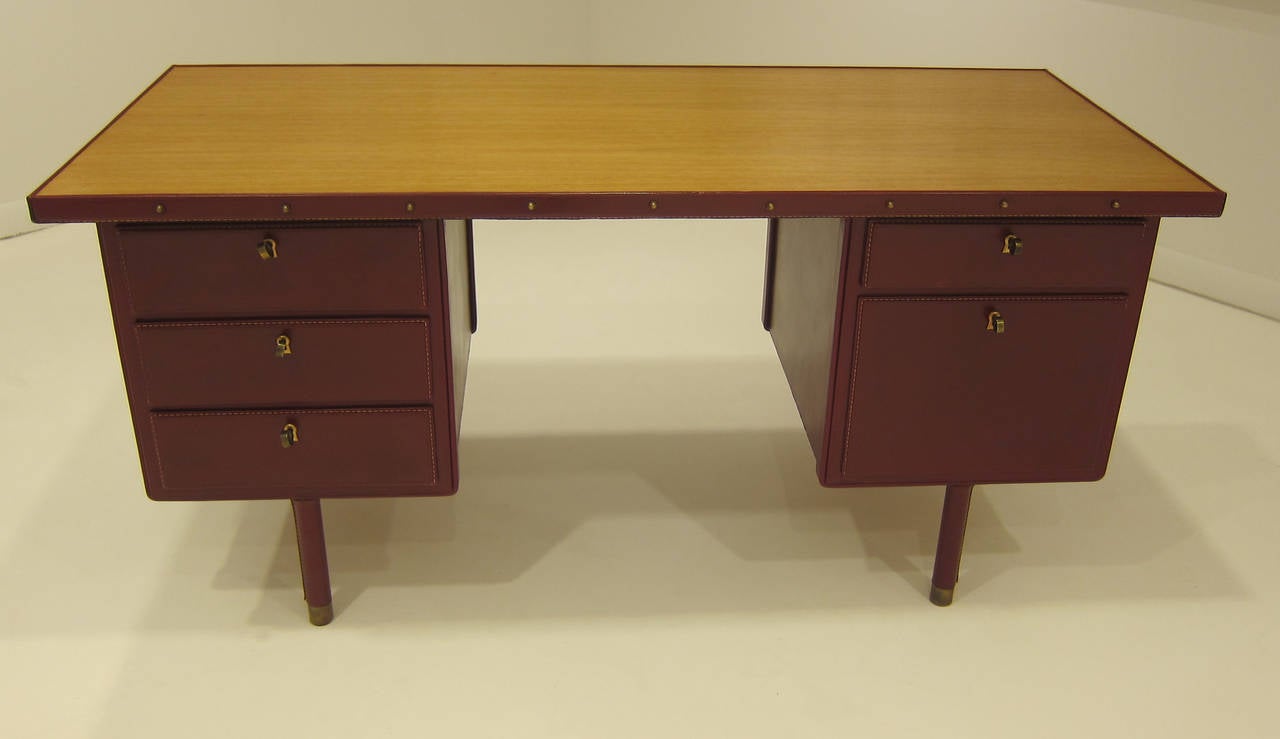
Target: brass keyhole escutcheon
284, 347
288, 435
1012, 245
267, 249
995, 322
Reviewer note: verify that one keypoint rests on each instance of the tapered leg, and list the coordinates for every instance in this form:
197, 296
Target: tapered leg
946, 563
315, 561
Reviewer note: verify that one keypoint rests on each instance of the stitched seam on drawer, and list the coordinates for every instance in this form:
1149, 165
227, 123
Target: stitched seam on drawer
124, 267
431, 440
857, 341
426, 323
866, 254
422, 267
430, 413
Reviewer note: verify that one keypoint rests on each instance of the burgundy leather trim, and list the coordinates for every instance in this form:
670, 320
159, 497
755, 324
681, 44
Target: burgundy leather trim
355, 206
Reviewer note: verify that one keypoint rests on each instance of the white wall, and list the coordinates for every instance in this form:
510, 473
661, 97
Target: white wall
1198, 77
71, 65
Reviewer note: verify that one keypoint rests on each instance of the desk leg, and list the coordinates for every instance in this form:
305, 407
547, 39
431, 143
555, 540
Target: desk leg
946, 562
315, 561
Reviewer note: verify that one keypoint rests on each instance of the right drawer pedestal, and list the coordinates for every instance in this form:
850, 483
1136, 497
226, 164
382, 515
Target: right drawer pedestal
973, 351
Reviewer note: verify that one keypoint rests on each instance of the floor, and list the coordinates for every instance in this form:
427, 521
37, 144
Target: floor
639, 547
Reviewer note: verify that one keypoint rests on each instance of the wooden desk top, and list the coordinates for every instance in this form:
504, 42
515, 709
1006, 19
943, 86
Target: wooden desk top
467, 141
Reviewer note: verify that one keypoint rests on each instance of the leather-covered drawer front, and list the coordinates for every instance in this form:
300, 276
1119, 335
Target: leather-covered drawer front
218, 272
238, 454
234, 364
971, 255
936, 397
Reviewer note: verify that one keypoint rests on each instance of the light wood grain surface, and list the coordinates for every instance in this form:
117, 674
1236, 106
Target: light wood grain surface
397, 129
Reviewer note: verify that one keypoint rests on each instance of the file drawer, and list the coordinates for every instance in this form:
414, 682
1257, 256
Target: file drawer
939, 395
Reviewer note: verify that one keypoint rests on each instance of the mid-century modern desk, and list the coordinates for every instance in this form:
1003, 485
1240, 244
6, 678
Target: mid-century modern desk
954, 271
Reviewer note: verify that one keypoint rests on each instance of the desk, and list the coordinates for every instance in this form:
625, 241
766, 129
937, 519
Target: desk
954, 272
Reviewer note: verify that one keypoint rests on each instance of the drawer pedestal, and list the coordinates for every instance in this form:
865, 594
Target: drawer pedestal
955, 352
296, 361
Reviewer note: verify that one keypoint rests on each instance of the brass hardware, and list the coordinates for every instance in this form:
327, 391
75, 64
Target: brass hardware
995, 322
1012, 245
284, 347
285, 208
889, 205
941, 596
320, 615
289, 435
653, 205
1004, 203
408, 207
768, 205
1115, 203
267, 249
159, 207
532, 205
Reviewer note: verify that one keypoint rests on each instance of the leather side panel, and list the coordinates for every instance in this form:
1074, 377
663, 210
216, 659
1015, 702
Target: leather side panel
807, 261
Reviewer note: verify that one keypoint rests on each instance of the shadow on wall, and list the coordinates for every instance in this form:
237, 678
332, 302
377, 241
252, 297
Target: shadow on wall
1196, 9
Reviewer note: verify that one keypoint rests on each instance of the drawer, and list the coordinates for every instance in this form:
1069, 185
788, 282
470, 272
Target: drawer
238, 454
936, 397
238, 364
218, 272
972, 255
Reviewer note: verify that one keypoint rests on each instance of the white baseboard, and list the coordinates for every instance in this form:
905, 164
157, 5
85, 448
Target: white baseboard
1217, 282
15, 220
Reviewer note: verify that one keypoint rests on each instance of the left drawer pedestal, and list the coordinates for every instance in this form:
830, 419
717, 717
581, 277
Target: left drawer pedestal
287, 361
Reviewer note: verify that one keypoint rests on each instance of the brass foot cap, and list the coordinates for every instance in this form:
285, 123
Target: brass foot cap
320, 615
941, 596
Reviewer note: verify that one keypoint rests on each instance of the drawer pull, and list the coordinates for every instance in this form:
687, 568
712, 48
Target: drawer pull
288, 435
995, 322
1012, 245
267, 249
284, 346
